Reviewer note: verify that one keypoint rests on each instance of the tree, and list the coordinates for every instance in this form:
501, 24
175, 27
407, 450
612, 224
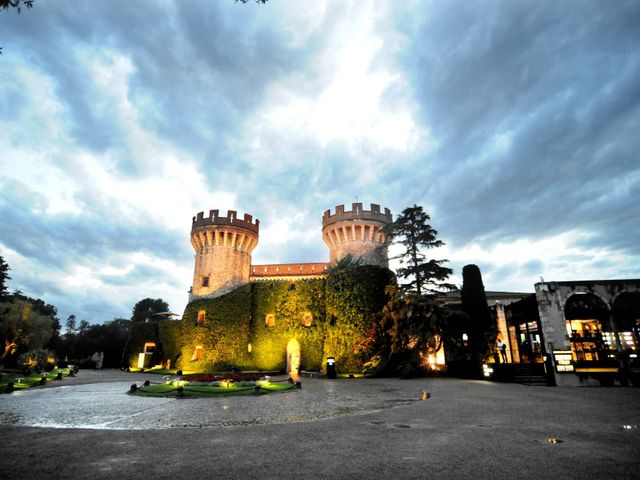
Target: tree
71, 324
412, 231
348, 261
17, 4
405, 333
4, 276
146, 310
23, 328
483, 328
110, 338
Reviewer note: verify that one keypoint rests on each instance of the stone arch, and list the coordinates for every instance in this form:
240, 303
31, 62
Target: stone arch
625, 311
587, 319
581, 303
586, 306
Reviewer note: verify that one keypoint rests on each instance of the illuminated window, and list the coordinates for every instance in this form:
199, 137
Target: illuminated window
270, 320
205, 281
202, 316
197, 354
307, 319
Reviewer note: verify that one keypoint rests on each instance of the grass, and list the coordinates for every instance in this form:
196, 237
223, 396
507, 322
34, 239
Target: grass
21, 381
204, 390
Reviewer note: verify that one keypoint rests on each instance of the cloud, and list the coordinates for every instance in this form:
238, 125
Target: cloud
513, 124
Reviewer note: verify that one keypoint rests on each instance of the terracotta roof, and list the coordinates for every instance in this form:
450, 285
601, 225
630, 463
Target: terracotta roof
289, 269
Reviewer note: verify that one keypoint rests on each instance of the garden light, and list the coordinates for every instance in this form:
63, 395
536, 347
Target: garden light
432, 362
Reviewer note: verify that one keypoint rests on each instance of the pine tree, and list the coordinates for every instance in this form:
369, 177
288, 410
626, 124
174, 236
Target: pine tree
146, 310
412, 230
4, 276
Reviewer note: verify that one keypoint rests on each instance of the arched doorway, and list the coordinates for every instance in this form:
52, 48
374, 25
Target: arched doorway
626, 316
589, 329
293, 357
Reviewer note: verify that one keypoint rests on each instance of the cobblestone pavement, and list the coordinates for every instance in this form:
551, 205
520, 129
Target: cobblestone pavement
88, 428
90, 403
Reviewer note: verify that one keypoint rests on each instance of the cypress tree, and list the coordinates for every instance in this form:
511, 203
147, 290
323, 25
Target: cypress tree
483, 328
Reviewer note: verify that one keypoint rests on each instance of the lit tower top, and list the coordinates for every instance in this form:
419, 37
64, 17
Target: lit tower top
357, 233
223, 248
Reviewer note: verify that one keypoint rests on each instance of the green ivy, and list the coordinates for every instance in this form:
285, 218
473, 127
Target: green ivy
340, 306
354, 294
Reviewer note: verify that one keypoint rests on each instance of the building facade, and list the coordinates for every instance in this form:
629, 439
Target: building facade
582, 329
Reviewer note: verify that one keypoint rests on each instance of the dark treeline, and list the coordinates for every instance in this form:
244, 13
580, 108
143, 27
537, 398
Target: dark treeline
32, 336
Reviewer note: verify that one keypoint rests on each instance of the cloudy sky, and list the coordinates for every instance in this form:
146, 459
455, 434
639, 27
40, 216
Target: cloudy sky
516, 125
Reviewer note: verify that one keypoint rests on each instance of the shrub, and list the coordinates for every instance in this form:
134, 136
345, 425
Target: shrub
36, 360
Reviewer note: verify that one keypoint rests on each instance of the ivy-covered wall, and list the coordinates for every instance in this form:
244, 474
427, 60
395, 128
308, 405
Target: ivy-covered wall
288, 303
354, 295
224, 334
327, 317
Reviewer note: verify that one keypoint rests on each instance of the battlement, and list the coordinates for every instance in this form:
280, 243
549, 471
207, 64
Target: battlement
231, 220
357, 213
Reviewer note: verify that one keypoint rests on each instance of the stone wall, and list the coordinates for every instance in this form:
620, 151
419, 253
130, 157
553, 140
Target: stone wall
358, 233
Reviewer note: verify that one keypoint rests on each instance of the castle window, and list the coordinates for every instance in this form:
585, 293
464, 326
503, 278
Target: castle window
205, 281
149, 347
202, 317
197, 353
292, 286
270, 320
307, 319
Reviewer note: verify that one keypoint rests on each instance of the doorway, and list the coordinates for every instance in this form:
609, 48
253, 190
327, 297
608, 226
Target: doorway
293, 357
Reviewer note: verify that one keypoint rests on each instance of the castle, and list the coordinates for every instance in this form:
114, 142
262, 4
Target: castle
223, 247
273, 317
294, 317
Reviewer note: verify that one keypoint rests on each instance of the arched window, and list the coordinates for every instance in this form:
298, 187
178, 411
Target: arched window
202, 317
307, 319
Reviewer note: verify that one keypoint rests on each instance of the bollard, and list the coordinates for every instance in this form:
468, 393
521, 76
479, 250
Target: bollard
331, 368
133, 388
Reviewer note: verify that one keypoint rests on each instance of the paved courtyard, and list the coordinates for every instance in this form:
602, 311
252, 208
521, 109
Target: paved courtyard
87, 427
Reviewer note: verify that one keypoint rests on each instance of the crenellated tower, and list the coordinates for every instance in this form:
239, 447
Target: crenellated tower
357, 233
223, 248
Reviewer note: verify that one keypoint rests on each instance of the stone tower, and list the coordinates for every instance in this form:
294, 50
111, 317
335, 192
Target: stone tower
357, 233
223, 248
